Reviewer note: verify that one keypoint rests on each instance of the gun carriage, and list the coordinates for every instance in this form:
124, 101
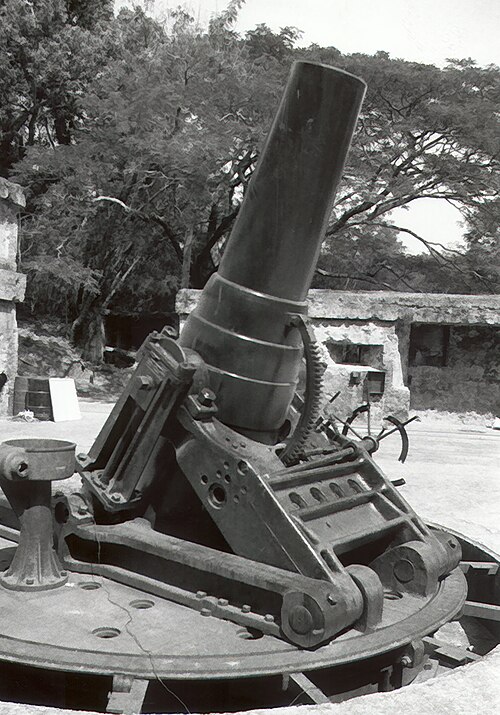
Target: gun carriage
225, 528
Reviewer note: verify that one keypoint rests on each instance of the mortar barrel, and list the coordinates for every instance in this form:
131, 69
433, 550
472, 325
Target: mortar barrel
241, 326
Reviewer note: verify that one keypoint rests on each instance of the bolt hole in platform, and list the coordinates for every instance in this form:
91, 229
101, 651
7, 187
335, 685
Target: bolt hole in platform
204, 479
317, 494
249, 634
338, 491
89, 585
217, 496
106, 632
141, 604
61, 513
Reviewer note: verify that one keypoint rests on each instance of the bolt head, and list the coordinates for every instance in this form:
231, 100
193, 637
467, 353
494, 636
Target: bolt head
206, 397
145, 382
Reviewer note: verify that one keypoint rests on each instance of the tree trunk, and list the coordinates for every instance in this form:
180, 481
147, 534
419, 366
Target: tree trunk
87, 332
186, 258
61, 127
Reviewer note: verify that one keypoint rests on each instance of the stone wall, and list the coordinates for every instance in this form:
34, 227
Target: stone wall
469, 382
379, 324
351, 378
449, 309
383, 355
12, 287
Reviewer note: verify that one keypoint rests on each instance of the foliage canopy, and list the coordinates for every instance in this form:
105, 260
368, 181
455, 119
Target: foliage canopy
136, 141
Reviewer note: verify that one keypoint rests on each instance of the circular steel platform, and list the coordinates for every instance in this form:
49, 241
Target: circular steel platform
95, 626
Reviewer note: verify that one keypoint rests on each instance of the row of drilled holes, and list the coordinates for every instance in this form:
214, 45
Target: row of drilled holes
319, 496
140, 604
217, 495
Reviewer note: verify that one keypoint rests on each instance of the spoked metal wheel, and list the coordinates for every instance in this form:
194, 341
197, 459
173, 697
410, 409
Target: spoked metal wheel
361, 424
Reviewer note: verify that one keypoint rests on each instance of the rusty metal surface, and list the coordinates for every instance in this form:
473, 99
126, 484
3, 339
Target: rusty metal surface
243, 325
37, 459
117, 629
29, 465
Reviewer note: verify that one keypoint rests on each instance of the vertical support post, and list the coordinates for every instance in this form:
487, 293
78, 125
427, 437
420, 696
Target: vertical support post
12, 287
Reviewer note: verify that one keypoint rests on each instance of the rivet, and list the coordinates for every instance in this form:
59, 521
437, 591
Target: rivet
201, 594
246, 608
223, 602
206, 612
269, 618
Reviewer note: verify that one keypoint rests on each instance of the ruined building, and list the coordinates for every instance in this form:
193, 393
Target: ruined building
12, 287
404, 350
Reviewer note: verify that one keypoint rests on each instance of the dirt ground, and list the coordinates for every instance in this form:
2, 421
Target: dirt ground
452, 478
452, 472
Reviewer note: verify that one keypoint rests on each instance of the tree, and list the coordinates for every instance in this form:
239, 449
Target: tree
166, 134
423, 133
170, 131
50, 50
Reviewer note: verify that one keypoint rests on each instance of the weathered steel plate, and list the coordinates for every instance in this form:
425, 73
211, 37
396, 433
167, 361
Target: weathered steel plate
95, 625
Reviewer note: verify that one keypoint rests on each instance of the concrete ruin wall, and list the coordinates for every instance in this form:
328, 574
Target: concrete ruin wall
338, 376
351, 318
324, 309
470, 382
12, 287
382, 321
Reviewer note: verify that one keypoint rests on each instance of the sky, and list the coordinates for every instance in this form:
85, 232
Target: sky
419, 30
428, 31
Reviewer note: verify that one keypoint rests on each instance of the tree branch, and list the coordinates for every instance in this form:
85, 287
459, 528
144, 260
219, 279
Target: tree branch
365, 279
148, 218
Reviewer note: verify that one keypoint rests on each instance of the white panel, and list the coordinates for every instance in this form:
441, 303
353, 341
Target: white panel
64, 399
